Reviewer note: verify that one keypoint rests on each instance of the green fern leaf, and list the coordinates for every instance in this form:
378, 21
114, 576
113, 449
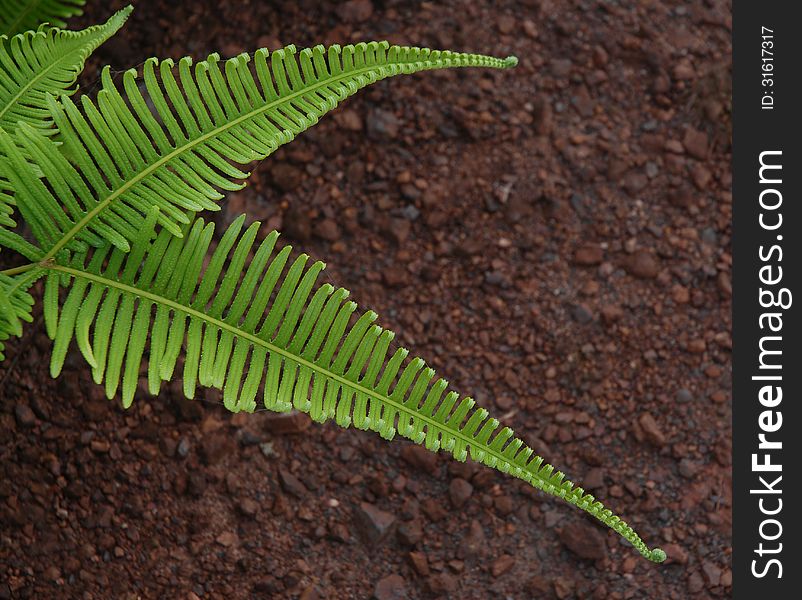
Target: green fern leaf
22, 15
183, 140
34, 64
6, 206
15, 304
251, 318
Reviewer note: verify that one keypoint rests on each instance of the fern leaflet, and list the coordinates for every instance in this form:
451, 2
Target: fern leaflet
15, 304
34, 64
182, 141
250, 317
46, 61
21, 15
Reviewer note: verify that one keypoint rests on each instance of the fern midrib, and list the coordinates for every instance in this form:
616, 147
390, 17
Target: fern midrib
123, 287
192, 144
34, 81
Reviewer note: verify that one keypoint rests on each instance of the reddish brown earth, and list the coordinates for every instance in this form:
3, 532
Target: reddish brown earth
554, 239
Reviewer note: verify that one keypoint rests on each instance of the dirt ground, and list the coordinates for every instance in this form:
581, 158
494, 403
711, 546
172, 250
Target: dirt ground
554, 239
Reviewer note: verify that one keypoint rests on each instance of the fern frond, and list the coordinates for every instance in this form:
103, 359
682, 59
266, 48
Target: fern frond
34, 64
15, 304
186, 136
18, 16
251, 318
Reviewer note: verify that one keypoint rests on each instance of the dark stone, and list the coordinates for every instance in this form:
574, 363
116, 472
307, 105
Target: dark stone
286, 423
420, 458
372, 524
459, 491
328, 230
643, 264
442, 583
410, 533
24, 415
584, 540
197, 484
381, 124
392, 587
290, 483
286, 177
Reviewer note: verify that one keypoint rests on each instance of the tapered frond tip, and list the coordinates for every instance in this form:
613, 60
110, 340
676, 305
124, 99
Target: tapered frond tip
127, 10
34, 64
249, 321
116, 20
119, 18
510, 62
181, 134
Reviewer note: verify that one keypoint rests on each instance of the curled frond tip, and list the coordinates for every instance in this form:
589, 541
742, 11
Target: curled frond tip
658, 555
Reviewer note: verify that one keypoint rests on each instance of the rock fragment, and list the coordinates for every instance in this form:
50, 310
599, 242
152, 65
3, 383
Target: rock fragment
382, 125
695, 143
584, 540
328, 230
459, 491
651, 430
286, 423
588, 255
502, 564
24, 415
420, 563
372, 524
215, 446
392, 587
643, 265
410, 532
290, 483
442, 583
419, 457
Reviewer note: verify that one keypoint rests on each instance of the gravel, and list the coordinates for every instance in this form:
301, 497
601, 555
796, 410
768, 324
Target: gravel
483, 283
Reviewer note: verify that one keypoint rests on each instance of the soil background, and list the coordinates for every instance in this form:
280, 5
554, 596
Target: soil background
554, 239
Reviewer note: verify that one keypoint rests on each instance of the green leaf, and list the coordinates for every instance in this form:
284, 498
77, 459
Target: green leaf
34, 65
15, 304
18, 16
252, 319
47, 61
186, 136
